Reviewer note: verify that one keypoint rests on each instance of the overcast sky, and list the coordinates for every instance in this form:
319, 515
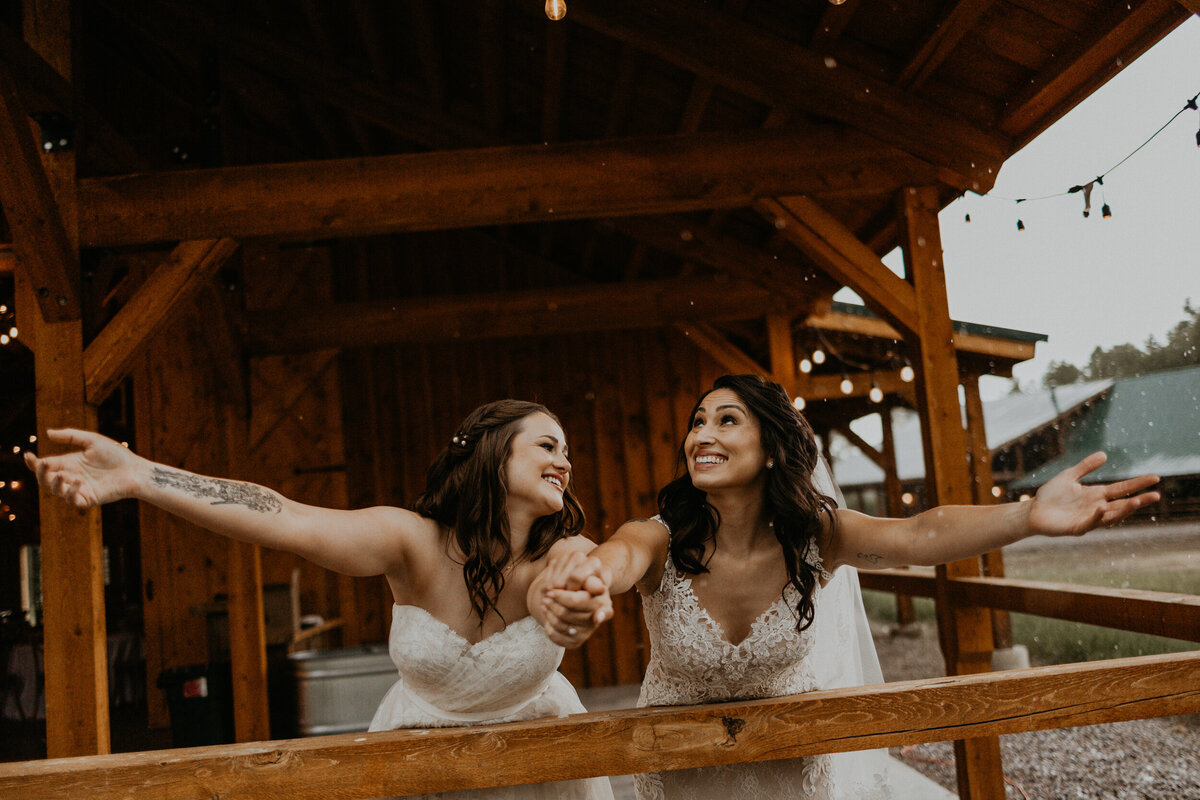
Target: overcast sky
1089, 282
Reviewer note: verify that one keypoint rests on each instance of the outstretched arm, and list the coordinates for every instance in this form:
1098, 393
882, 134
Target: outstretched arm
366, 542
1062, 507
560, 598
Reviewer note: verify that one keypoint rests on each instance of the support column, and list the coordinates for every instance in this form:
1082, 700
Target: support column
966, 632
77, 722
981, 485
906, 615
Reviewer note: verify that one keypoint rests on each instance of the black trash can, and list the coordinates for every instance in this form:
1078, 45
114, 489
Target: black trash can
200, 702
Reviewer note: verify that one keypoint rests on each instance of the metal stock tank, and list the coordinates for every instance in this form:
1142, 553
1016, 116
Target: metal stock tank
337, 691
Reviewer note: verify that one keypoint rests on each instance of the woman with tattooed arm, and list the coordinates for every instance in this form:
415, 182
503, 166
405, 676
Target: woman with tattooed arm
497, 505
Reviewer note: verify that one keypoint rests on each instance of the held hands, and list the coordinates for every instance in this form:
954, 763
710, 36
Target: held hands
570, 598
99, 472
1066, 507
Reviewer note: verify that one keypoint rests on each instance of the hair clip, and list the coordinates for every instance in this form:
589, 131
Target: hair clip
461, 441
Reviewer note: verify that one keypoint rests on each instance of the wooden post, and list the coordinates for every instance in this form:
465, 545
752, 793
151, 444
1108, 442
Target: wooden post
981, 485
966, 632
247, 628
783, 350
906, 614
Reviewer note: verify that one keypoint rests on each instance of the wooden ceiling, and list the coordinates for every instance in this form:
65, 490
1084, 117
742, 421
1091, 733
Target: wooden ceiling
648, 141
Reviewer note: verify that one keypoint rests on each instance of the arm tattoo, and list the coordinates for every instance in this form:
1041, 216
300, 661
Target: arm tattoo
873, 558
223, 492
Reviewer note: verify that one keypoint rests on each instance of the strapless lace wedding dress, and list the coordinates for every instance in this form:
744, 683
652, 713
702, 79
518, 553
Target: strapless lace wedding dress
692, 662
510, 676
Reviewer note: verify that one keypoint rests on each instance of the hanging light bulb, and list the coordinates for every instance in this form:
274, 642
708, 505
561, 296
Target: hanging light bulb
1192, 105
1020, 225
818, 357
967, 218
805, 366
12, 332
876, 394
556, 9
799, 403
836, 2
847, 385
907, 374
1105, 211
3, 338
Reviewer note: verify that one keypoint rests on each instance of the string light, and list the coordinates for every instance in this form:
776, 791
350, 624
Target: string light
3, 338
32, 439
799, 403
15, 486
907, 374
805, 366
13, 331
906, 498
997, 491
847, 385
876, 394
818, 357
556, 9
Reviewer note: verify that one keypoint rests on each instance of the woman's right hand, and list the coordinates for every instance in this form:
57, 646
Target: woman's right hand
100, 471
570, 598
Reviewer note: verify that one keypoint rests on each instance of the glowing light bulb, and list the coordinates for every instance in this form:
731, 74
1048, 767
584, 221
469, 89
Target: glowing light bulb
17, 449
556, 9
32, 439
836, 2
3, 338
818, 357
997, 491
876, 394
3, 484
15, 485
3, 309
12, 517
906, 498
799, 403
847, 385
805, 366
13, 331
1024, 498
907, 374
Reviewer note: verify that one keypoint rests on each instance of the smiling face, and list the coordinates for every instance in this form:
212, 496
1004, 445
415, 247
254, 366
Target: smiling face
537, 470
724, 446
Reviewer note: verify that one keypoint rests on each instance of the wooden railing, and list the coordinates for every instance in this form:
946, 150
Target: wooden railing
629, 741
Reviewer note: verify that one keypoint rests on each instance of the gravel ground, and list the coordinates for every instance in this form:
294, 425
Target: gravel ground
1148, 759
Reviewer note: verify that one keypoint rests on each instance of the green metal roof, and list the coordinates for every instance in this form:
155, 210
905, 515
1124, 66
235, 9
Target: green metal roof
1147, 425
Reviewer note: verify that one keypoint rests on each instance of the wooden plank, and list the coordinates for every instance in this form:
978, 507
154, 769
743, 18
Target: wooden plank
966, 632
470, 188
835, 249
540, 312
107, 360
945, 35
634, 740
41, 239
1122, 33
777, 72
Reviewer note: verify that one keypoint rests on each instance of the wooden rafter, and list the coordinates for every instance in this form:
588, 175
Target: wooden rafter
863, 445
40, 240
1127, 30
723, 351
492, 186
536, 312
774, 71
945, 36
181, 276
835, 249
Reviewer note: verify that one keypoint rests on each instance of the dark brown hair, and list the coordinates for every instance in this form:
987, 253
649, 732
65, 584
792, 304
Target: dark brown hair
466, 494
792, 501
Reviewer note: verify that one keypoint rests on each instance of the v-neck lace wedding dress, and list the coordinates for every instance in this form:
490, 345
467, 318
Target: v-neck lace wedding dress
510, 676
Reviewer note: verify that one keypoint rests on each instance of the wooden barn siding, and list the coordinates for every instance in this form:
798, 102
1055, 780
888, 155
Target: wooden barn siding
623, 399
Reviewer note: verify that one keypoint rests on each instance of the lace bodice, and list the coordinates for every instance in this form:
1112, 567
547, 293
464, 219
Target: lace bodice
446, 681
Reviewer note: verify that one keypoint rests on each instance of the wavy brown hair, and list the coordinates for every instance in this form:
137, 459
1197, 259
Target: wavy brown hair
465, 493
792, 500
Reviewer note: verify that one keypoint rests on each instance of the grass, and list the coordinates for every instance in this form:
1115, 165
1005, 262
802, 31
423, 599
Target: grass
1052, 641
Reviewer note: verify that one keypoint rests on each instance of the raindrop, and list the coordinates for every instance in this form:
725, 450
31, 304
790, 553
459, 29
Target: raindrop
1150, 423
830, 62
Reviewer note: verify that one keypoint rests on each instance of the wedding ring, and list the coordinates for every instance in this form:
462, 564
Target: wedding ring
571, 631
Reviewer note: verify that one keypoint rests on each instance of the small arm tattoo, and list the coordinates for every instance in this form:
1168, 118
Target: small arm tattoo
873, 558
223, 492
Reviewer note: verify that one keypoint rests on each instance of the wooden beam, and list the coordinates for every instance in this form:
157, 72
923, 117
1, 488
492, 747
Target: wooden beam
1123, 32
863, 446
782, 347
796, 284
40, 238
633, 740
469, 188
536, 312
835, 249
966, 632
777, 72
107, 360
829, 387
947, 32
724, 352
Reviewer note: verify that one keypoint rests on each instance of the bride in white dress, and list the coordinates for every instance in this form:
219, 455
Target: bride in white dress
736, 583
497, 506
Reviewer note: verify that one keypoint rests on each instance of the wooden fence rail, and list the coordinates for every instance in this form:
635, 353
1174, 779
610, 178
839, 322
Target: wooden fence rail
629, 741
1170, 614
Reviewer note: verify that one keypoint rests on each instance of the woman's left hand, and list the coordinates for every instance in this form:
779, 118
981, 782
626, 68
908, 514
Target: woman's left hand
1066, 507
